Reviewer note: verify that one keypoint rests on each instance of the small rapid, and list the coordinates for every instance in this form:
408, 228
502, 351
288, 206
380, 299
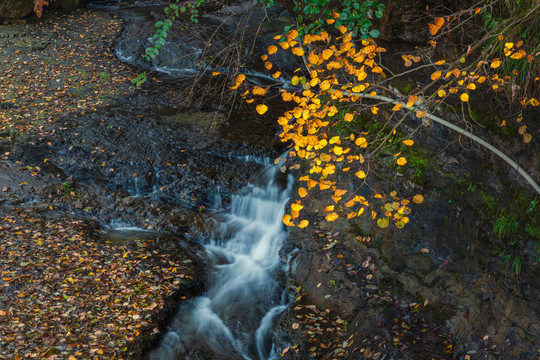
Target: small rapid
235, 317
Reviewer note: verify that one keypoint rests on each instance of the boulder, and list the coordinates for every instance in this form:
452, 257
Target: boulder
16, 9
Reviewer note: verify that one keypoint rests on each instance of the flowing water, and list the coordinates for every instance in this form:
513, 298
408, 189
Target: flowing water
234, 318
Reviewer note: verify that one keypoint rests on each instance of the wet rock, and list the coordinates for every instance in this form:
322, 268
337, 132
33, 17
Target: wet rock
128, 201
419, 263
78, 204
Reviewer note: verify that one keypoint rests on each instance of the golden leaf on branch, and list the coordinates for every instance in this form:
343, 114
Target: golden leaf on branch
303, 224
261, 108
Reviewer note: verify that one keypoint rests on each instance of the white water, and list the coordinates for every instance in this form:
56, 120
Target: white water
234, 319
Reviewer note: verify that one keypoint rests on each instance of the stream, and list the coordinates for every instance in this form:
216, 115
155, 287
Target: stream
243, 232
234, 319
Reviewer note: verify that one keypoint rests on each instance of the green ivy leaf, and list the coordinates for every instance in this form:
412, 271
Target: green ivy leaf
374, 33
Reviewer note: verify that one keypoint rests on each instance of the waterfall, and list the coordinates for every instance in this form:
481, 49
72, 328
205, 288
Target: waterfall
234, 319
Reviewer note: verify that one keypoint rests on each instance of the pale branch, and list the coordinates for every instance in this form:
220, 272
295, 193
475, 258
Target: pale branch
463, 132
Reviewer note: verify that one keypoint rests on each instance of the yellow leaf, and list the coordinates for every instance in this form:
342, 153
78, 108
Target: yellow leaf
471, 86
276, 75
257, 90
440, 62
421, 113
418, 198
527, 138
332, 216
434, 28
215, 73
329, 208
348, 117
239, 80
361, 142
375, 110
401, 161
298, 51
408, 143
342, 29
325, 85
495, 63
411, 100
324, 185
302, 192
464, 97
268, 65
522, 129
439, 21
303, 224
383, 223
435, 75
287, 220
291, 35
296, 207
397, 107
518, 55
272, 49
477, 10
335, 140
327, 53
261, 108
441, 93
360, 174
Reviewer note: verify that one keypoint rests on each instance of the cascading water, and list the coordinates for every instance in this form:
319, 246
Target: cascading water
234, 319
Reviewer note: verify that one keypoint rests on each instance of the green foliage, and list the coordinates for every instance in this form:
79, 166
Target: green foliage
67, 189
104, 76
139, 79
506, 228
356, 16
173, 12
158, 40
512, 262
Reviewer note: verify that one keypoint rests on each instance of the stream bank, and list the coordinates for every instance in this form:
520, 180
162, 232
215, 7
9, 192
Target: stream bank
113, 175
